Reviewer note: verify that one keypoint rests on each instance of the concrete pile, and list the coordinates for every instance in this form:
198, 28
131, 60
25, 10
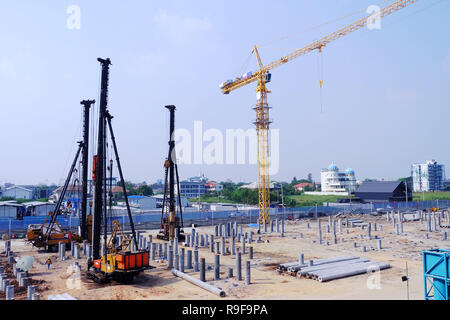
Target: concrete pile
354, 222
329, 269
296, 266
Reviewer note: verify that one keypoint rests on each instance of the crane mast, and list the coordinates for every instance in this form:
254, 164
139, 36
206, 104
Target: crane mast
262, 130
263, 76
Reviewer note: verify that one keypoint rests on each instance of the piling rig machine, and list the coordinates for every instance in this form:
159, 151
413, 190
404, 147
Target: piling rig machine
263, 76
48, 234
171, 222
118, 261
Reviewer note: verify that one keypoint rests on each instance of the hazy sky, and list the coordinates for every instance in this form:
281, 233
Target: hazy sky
385, 97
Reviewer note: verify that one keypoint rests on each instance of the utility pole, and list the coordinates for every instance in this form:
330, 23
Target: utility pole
350, 198
198, 196
85, 163
282, 199
406, 278
406, 193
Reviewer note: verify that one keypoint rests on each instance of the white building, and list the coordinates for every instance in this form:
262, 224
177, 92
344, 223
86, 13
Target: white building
255, 186
17, 192
37, 208
160, 198
9, 209
142, 202
428, 176
334, 181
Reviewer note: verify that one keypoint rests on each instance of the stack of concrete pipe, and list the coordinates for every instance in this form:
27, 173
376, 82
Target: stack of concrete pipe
329, 269
297, 266
285, 266
310, 272
350, 270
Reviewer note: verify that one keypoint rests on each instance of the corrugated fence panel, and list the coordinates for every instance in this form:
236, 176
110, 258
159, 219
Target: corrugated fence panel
7, 223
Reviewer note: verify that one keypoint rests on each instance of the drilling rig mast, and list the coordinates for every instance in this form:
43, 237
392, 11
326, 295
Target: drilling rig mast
85, 230
120, 263
171, 224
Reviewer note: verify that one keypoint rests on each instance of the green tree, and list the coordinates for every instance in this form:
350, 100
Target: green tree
131, 190
228, 189
288, 189
144, 190
290, 203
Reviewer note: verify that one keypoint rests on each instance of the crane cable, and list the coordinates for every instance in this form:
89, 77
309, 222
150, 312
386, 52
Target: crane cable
320, 75
245, 64
266, 44
110, 185
320, 53
318, 26
390, 22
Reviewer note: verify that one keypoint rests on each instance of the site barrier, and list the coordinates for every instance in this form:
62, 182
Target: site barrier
153, 219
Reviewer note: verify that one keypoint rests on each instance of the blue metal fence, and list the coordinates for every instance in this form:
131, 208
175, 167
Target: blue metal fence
436, 272
67, 222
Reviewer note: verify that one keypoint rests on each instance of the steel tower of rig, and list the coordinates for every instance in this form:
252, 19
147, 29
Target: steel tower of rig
85, 162
100, 199
171, 224
99, 162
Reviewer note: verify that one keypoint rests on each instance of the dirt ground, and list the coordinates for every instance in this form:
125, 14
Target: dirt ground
159, 283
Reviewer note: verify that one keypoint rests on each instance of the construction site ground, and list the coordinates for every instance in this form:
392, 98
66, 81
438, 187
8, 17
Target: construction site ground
159, 283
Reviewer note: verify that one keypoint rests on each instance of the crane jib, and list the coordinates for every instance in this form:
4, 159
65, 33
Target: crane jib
317, 45
262, 107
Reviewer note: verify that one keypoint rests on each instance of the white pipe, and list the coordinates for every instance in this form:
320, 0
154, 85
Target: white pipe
334, 266
199, 283
317, 262
321, 262
346, 268
326, 263
353, 272
332, 260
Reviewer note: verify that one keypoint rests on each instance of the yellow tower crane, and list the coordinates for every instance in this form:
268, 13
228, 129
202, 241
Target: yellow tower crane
263, 76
